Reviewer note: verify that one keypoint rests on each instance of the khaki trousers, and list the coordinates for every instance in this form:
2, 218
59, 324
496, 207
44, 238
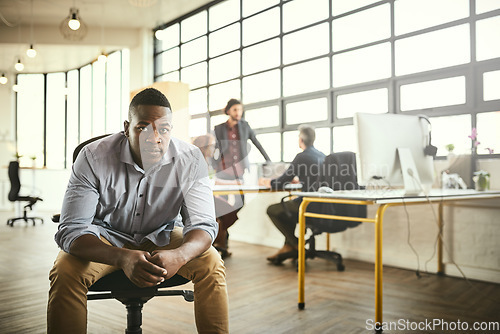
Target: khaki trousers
71, 276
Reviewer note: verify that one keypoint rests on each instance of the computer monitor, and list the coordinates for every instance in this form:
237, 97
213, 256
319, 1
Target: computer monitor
391, 149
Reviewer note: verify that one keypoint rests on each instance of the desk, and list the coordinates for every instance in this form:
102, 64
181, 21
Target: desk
384, 201
240, 189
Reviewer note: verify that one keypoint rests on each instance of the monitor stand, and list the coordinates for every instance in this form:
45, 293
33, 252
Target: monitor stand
411, 179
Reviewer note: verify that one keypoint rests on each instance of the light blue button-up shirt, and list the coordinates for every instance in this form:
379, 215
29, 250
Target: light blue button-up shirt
109, 195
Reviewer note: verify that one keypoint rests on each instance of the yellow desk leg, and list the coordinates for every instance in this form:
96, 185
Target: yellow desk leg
378, 262
440, 267
302, 252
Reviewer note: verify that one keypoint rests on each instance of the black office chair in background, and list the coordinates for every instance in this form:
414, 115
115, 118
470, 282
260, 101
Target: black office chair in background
117, 285
338, 172
15, 188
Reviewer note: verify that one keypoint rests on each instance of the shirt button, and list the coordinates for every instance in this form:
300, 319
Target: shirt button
233, 135
235, 157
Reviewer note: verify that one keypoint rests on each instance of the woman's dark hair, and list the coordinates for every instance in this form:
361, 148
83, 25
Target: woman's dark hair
229, 104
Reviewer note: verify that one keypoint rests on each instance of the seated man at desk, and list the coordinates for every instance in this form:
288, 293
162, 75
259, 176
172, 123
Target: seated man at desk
122, 209
305, 168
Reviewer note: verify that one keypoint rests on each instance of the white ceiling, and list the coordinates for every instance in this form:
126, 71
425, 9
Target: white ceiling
112, 24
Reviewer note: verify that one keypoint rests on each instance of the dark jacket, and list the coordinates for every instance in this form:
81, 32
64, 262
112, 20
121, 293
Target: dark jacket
245, 132
305, 166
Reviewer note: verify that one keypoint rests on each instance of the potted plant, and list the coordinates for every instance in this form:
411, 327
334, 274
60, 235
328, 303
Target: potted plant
482, 180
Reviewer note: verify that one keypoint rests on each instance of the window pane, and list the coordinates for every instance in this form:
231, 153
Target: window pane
351, 30
487, 37
85, 103
194, 26
344, 6
219, 94
197, 127
300, 13
261, 26
113, 93
483, 6
374, 101
169, 37
491, 84
218, 119
56, 119
271, 143
412, 15
306, 77
263, 117
224, 67
322, 142
460, 127
98, 98
290, 145
72, 115
306, 43
307, 111
224, 40
198, 101
253, 6
194, 51
261, 56
172, 76
224, 13
30, 118
438, 93
488, 134
442, 48
261, 87
169, 60
195, 76
344, 139
363, 65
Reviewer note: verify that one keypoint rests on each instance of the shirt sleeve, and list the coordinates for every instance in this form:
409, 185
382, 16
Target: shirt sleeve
198, 203
79, 204
257, 144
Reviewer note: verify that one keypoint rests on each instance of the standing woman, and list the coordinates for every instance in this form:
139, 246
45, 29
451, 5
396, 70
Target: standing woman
231, 159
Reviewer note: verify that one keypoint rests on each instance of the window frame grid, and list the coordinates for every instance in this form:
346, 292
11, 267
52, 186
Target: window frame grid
472, 71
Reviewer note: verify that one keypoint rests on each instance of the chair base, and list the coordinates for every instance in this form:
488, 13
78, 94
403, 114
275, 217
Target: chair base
311, 253
11, 221
117, 286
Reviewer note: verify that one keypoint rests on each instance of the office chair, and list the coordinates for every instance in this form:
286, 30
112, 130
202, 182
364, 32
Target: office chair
15, 188
337, 172
117, 285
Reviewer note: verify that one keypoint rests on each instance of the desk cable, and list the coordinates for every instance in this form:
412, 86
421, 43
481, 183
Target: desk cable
445, 246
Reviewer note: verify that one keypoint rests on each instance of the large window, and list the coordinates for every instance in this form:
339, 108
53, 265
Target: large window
321, 61
56, 111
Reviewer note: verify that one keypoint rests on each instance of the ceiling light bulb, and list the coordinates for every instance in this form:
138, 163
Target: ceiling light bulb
74, 24
3, 79
31, 52
159, 34
19, 66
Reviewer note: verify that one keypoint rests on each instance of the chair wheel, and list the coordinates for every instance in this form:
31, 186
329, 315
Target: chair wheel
340, 267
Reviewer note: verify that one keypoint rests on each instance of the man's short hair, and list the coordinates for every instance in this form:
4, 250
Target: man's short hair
148, 96
307, 134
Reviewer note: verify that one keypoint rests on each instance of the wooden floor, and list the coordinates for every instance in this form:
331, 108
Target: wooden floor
263, 298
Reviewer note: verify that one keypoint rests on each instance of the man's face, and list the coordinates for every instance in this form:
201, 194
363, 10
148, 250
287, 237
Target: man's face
235, 112
148, 133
